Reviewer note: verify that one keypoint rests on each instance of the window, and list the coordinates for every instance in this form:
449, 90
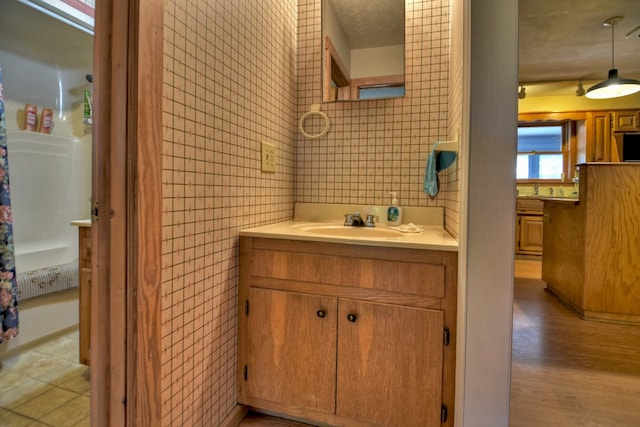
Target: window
541, 151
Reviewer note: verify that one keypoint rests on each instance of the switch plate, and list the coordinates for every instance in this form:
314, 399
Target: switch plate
268, 157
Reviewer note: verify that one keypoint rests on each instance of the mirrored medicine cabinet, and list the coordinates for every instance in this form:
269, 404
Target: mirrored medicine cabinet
363, 49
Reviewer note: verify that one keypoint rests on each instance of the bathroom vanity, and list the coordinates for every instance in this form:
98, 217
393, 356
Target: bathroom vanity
348, 331
84, 288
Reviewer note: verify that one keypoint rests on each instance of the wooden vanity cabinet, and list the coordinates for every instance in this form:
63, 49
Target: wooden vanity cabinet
346, 334
84, 293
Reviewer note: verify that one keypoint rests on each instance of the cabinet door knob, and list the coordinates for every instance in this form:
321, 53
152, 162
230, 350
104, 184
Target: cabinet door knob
321, 313
351, 318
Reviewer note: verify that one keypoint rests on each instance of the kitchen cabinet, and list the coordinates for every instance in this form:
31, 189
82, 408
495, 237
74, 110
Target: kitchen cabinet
345, 334
601, 126
590, 259
529, 226
598, 144
626, 121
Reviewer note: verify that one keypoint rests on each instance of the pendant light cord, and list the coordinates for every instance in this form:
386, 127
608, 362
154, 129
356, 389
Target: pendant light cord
612, 47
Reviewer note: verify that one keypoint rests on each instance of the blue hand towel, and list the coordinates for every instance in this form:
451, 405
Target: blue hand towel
444, 159
430, 185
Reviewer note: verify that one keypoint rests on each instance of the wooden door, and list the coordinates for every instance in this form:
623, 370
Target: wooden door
292, 349
390, 362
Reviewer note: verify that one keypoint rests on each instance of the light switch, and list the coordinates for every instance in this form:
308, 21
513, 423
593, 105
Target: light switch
268, 157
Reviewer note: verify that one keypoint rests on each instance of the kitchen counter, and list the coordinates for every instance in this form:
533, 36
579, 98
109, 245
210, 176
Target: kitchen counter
590, 257
568, 200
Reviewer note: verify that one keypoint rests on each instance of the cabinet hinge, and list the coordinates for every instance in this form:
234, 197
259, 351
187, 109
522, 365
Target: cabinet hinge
246, 307
246, 372
444, 413
446, 336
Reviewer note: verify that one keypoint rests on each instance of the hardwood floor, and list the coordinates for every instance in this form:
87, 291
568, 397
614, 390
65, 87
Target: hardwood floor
567, 371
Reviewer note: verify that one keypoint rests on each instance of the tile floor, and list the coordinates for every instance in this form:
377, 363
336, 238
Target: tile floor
45, 386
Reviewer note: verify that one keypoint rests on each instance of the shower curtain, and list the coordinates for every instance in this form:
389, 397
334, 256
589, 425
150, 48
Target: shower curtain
8, 284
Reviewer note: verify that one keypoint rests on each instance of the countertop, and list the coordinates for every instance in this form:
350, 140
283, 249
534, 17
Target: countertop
567, 200
548, 197
433, 237
81, 223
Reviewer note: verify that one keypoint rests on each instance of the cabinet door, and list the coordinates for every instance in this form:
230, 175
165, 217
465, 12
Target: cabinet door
292, 349
389, 364
531, 234
598, 137
626, 121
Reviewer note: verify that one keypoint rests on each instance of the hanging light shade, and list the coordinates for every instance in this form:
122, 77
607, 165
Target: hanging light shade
615, 86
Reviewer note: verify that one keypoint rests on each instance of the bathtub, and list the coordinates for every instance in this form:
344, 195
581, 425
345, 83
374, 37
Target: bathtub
49, 181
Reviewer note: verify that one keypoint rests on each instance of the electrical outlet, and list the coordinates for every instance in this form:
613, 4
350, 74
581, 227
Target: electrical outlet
268, 157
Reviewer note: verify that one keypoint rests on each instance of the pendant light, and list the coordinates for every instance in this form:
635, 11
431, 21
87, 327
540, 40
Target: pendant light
522, 94
614, 86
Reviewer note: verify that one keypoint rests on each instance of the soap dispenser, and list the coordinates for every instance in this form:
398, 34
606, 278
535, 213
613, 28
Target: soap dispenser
394, 212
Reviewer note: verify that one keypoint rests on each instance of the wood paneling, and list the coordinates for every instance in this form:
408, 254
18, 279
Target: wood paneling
612, 224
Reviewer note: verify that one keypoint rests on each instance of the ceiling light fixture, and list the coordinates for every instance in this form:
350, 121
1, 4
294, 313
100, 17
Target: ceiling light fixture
523, 93
580, 90
614, 86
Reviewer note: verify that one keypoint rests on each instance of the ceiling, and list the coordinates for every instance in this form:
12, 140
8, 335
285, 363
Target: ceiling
371, 23
560, 41
564, 41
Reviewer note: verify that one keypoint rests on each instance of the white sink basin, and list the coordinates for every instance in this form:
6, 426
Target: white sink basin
349, 231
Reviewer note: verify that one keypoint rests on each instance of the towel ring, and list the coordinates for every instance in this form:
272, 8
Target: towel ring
315, 111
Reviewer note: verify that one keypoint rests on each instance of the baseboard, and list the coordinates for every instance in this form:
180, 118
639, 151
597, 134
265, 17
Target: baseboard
235, 417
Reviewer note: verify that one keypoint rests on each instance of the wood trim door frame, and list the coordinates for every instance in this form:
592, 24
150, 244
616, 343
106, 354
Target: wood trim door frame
127, 214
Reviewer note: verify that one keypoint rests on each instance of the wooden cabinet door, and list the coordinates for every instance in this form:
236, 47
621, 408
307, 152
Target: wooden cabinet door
389, 364
598, 136
292, 349
531, 234
626, 121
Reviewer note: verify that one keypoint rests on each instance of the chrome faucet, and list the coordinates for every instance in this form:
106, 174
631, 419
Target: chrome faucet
355, 220
536, 187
